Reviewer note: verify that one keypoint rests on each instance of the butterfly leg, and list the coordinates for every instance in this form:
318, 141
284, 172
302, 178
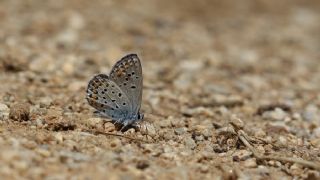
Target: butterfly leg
123, 128
117, 124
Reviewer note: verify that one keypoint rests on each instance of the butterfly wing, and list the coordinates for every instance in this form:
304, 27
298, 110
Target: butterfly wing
106, 96
127, 73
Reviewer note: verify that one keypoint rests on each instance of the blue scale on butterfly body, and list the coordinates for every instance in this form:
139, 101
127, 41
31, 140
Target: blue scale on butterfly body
118, 96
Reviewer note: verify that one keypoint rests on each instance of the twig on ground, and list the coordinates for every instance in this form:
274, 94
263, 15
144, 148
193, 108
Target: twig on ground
112, 134
242, 136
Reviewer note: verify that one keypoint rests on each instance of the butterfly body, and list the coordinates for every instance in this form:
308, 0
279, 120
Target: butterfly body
118, 96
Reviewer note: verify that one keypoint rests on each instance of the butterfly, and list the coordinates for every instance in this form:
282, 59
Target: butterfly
118, 96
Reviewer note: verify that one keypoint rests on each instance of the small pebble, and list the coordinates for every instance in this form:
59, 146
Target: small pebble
189, 142
165, 122
59, 137
311, 113
109, 127
20, 112
241, 155
316, 132
45, 102
237, 122
95, 122
276, 115
180, 131
4, 111
199, 138
250, 163
260, 133
148, 129
43, 152
39, 122
283, 141
315, 142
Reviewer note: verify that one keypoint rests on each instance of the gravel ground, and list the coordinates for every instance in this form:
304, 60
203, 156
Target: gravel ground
215, 72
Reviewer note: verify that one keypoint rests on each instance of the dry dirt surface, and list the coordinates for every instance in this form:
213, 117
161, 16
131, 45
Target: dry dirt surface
231, 89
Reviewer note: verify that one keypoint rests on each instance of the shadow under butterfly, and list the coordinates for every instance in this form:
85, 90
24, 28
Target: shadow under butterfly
118, 96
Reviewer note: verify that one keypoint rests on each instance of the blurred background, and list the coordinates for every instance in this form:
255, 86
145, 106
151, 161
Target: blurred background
194, 47
203, 60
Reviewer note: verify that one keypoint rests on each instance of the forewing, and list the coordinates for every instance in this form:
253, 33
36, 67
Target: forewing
106, 96
127, 73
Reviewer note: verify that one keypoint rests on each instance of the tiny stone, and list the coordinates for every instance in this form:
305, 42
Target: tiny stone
278, 164
4, 111
237, 122
76, 86
316, 132
241, 155
43, 152
165, 122
276, 115
148, 129
199, 138
271, 162
30, 144
260, 149
199, 128
296, 168
45, 102
95, 122
223, 110
20, 112
74, 155
180, 131
250, 163
315, 142
68, 66
116, 143
20, 165
109, 127
311, 113
204, 168
59, 137
260, 133
283, 141
189, 142
39, 122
